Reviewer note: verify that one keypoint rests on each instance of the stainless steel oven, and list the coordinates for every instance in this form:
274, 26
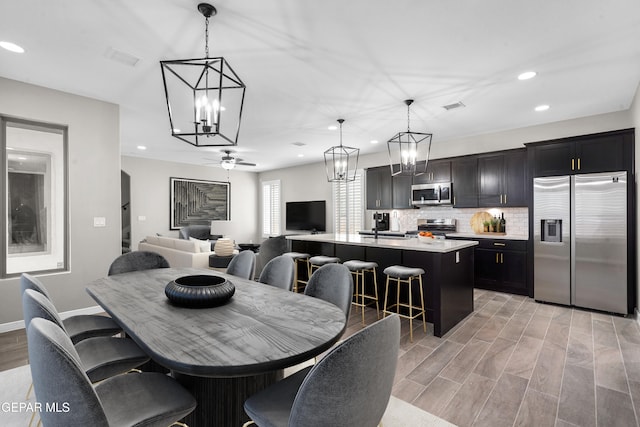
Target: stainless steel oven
431, 194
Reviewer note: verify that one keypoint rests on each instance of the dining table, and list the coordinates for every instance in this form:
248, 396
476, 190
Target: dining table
222, 354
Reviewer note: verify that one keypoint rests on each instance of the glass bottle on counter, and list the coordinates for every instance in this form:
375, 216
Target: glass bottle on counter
503, 223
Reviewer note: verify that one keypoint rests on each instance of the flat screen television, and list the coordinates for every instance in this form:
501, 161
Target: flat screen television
306, 216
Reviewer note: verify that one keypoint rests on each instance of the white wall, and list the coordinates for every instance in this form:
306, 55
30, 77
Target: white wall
150, 197
94, 189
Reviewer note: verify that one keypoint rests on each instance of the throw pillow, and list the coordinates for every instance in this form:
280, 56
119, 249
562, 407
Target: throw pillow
204, 245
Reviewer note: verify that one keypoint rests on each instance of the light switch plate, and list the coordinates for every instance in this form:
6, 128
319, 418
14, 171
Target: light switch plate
99, 221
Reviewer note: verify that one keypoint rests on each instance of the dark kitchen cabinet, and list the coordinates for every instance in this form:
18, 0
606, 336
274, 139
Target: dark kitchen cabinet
379, 188
603, 152
502, 179
464, 182
501, 265
401, 192
437, 171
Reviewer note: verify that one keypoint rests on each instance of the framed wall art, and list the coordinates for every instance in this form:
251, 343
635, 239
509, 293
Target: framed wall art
196, 201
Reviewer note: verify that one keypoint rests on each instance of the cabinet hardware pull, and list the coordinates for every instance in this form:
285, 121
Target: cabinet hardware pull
454, 200
505, 199
497, 258
501, 258
499, 244
578, 163
572, 164
501, 199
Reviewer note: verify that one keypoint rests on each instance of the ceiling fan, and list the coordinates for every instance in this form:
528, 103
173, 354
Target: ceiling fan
229, 162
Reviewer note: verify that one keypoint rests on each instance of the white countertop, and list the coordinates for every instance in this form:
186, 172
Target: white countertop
412, 244
488, 236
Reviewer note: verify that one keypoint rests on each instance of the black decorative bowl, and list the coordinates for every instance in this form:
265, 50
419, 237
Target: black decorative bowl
199, 291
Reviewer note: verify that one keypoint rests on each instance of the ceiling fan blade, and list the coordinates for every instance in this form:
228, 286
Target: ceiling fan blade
245, 163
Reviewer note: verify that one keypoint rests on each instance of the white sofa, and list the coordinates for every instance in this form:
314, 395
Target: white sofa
179, 252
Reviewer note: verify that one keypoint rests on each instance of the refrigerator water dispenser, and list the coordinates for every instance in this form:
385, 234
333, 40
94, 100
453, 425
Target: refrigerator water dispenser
551, 230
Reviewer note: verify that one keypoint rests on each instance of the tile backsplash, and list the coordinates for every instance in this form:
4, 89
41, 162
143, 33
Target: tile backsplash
516, 218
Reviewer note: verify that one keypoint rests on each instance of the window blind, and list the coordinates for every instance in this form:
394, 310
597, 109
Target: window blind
271, 208
348, 206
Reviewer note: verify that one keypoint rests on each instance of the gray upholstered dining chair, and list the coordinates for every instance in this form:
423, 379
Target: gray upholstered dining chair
332, 283
269, 249
101, 357
150, 399
243, 265
78, 327
278, 272
137, 261
350, 386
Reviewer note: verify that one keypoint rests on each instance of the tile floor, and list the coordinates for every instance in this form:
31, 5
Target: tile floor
513, 362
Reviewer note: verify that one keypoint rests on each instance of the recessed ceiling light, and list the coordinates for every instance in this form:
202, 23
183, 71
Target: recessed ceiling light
332, 127
12, 47
176, 130
527, 75
374, 141
141, 147
542, 108
301, 155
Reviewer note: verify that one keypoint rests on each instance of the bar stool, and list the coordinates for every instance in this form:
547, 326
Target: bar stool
358, 268
318, 261
298, 258
403, 274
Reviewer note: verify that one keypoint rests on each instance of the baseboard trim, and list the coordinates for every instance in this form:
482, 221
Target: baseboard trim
19, 324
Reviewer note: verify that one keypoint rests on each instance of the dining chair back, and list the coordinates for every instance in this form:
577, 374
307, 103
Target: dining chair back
78, 327
350, 386
243, 265
35, 304
269, 249
137, 261
332, 283
278, 272
129, 399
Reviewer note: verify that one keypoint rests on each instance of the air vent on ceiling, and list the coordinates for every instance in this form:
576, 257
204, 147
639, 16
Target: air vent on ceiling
298, 144
453, 106
121, 57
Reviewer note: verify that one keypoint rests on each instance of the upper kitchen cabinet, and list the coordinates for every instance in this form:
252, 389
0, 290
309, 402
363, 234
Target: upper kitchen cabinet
602, 152
437, 171
401, 192
464, 181
502, 179
379, 188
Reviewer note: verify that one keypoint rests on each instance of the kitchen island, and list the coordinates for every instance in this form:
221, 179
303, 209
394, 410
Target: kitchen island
448, 264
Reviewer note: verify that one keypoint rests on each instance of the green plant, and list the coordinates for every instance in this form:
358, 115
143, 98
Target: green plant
486, 223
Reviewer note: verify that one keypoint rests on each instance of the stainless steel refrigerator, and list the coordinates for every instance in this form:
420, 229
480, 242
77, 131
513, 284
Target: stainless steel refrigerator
580, 240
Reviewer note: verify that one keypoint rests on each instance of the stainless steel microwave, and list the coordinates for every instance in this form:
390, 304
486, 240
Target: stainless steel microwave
431, 194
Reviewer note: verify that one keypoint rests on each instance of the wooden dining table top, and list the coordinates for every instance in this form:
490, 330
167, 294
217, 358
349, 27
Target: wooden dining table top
262, 328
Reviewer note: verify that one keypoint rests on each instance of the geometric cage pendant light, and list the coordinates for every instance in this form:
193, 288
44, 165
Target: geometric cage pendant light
341, 161
204, 96
409, 151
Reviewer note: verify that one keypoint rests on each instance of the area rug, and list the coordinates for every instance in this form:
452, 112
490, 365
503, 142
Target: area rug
16, 409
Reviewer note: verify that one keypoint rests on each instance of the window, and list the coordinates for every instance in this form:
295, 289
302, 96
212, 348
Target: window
348, 208
271, 208
34, 201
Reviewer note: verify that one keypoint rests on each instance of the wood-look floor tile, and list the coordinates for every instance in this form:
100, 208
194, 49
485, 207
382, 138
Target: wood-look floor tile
437, 395
491, 329
610, 372
537, 327
410, 359
407, 390
523, 359
468, 330
614, 408
580, 350
581, 322
465, 361
557, 333
503, 403
577, 398
490, 308
601, 317
426, 371
468, 401
537, 410
495, 359
515, 327
604, 334
631, 359
547, 374
545, 310
562, 315
528, 307
627, 330
508, 309
634, 387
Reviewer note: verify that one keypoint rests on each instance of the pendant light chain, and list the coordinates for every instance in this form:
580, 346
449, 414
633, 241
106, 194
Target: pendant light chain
408, 117
206, 37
